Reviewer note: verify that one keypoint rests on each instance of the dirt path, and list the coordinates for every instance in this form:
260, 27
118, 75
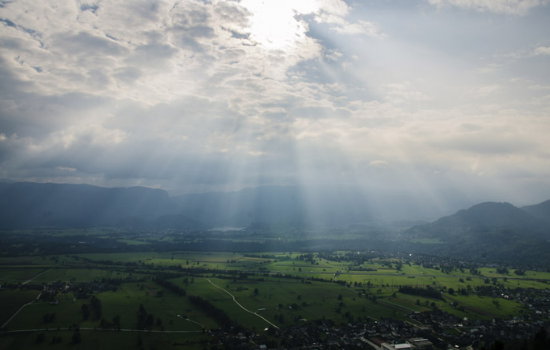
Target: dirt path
96, 329
396, 305
21, 308
27, 304
242, 307
41, 273
195, 323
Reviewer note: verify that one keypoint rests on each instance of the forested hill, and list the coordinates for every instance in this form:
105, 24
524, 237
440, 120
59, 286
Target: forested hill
541, 210
480, 217
495, 231
491, 214
25, 204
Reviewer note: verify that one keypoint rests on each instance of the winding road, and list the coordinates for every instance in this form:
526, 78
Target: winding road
242, 307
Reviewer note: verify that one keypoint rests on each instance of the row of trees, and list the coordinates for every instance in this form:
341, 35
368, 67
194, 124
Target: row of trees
218, 314
171, 286
428, 292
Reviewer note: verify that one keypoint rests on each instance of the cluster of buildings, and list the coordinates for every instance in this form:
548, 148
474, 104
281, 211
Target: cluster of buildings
384, 334
431, 330
475, 333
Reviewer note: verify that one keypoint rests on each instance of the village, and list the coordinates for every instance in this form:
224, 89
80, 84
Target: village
432, 332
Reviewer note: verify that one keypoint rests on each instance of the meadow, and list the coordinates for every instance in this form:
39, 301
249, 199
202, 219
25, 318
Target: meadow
285, 288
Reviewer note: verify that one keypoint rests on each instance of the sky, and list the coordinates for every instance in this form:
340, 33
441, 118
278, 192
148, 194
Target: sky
427, 97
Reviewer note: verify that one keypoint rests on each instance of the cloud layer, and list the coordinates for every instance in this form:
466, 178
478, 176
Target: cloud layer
199, 96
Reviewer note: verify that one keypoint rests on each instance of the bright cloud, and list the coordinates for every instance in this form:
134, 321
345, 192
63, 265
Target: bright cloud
198, 95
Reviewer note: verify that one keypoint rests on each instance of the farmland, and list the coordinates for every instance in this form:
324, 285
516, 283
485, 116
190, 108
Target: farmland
256, 291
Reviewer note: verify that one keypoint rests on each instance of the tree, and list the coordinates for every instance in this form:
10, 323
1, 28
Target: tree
76, 338
85, 311
149, 321
541, 340
256, 291
40, 338
497, 345
104, 324
48, 318
116, 322
95, 305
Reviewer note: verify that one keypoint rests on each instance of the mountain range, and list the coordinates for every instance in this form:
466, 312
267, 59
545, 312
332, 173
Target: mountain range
24, 204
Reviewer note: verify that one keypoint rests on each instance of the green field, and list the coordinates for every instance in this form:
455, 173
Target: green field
284, 288
97, 339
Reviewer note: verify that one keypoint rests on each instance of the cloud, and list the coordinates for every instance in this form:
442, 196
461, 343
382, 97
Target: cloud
195, 95
542, 51
334, 13
84, 43
404, 92
361, 27
483, 91
378, 163
509, 7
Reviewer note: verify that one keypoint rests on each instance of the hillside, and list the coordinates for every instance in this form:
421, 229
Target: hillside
494, 231
541, 210
24, 204
490, 214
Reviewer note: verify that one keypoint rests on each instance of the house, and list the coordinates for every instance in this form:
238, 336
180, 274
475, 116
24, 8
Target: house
421, 343
404, 346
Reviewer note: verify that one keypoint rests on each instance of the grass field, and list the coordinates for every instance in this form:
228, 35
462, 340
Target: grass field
12, 300
104, 340
372, 292
78, 275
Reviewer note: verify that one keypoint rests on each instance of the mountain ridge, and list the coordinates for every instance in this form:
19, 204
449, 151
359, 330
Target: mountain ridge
28, 204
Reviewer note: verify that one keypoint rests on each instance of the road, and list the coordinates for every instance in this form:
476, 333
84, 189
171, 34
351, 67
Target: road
397, 305
43, 272
195, 323
96, 329
27, 304
242, 307
21, 308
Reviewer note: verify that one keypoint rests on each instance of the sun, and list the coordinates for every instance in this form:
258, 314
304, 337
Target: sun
274, 24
